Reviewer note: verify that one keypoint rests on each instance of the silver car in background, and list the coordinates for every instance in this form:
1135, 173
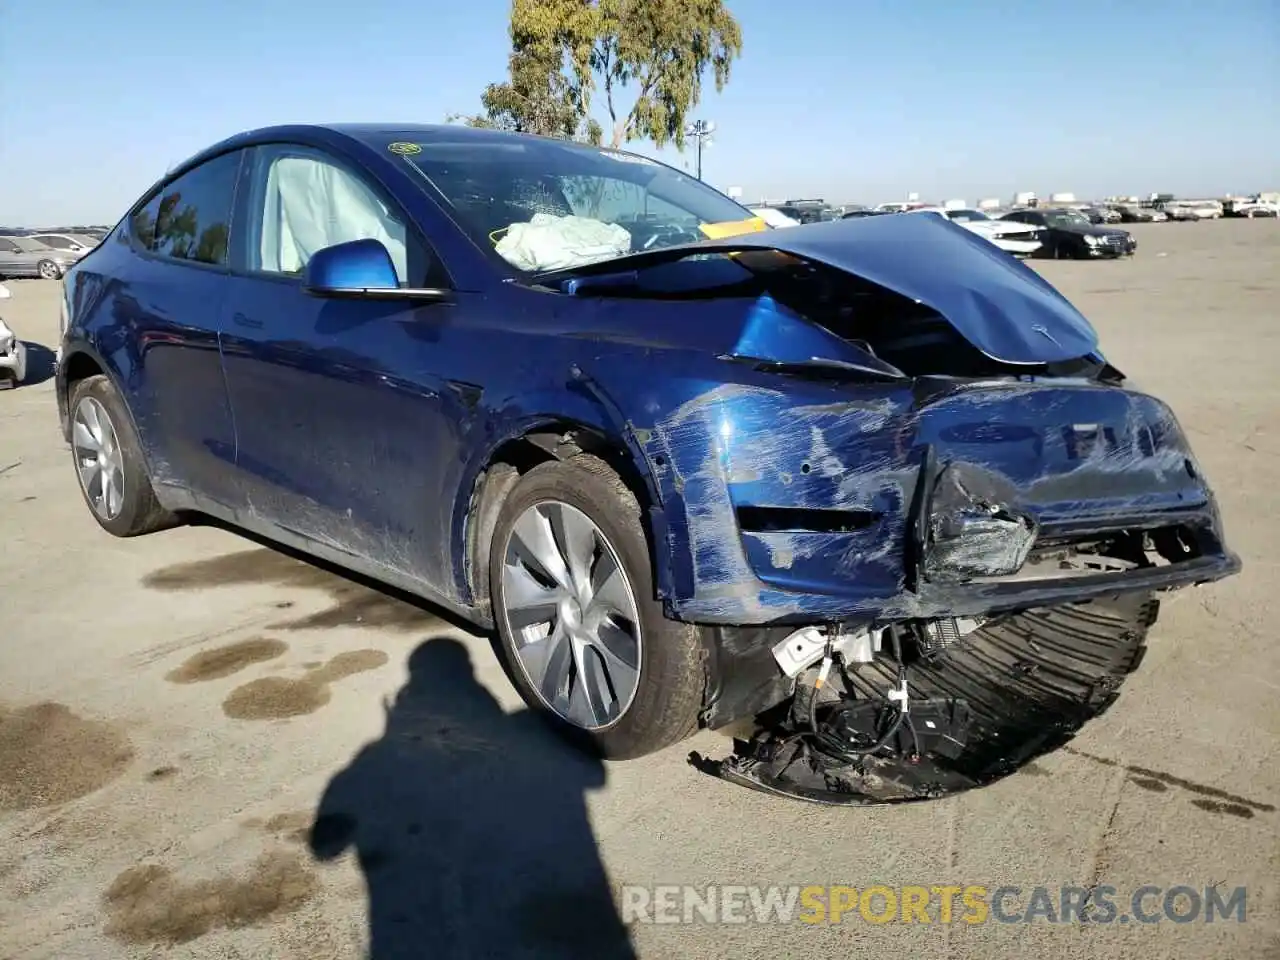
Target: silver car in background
25, 257
76, 243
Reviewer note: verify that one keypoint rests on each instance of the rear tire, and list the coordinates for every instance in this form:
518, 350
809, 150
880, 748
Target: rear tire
109, 462
665, 692
49, 270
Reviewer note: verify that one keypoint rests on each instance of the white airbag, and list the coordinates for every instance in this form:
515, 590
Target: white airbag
548, 242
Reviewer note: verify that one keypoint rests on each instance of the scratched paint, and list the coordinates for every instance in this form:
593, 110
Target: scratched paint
1070, 451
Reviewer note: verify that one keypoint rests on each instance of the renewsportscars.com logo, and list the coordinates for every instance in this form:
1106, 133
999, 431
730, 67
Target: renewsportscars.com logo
956, 903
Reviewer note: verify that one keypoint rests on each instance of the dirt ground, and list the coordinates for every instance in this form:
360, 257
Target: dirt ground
177, 710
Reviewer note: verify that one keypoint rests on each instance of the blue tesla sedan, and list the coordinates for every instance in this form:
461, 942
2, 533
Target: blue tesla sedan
865, 486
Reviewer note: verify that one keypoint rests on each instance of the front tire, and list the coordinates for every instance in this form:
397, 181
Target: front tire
583, 637
109, 462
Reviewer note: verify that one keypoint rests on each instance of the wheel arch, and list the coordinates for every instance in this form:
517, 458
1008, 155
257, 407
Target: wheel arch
539, 440
80, 362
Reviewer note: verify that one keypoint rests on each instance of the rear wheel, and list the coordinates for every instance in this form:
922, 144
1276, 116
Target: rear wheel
48, 270
583, 637
109, 462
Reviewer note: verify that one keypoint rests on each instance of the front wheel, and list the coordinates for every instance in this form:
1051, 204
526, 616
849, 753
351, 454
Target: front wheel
109, 462
584, 639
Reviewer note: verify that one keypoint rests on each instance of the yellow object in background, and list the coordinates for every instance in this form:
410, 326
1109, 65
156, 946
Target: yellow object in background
732, 228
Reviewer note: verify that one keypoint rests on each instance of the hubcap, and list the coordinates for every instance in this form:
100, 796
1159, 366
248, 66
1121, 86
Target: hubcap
98, 458
571, 615
48, 271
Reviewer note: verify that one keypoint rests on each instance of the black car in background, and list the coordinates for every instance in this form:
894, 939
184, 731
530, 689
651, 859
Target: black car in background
1100, 214
1069, 235
807, 211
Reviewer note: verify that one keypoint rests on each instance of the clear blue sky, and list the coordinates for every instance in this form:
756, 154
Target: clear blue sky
834, 98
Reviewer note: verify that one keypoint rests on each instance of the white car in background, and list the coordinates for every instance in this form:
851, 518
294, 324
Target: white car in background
1020, 239
1257, 208
774, 217
900, 206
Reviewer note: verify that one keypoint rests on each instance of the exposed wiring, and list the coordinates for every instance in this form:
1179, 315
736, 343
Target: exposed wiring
834, 747
823, 671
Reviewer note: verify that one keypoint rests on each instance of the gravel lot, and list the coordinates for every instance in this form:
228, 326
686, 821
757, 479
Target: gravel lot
176, 709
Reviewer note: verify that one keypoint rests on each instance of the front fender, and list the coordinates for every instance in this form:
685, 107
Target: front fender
584, 405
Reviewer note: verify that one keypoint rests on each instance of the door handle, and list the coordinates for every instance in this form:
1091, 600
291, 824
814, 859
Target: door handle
240, 320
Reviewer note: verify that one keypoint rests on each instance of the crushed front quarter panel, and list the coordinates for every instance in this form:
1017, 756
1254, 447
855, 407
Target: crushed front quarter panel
843, 463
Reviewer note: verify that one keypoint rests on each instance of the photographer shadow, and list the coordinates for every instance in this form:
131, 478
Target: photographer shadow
471, 828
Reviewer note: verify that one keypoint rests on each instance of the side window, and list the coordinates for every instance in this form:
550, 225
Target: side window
193, 214
7, 246
304, 201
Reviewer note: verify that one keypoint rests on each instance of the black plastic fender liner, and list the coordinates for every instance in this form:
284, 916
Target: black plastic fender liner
1030, 682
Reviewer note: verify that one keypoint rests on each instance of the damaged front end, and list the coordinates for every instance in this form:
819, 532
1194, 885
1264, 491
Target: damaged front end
922, 519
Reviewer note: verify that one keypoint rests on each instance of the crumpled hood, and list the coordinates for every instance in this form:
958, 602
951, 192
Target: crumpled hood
1000, 305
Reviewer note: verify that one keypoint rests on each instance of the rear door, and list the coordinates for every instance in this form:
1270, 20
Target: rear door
342, 430
164, 329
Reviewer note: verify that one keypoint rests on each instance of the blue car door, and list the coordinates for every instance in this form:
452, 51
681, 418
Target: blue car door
342, 430
162, 333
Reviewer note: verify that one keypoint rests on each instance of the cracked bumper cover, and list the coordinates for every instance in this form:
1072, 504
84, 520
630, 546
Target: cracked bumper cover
1072, 459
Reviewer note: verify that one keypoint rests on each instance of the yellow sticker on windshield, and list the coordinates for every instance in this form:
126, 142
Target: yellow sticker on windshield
732, 228
404, 149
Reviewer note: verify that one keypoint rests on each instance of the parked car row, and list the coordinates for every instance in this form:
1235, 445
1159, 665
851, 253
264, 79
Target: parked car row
46, 255
1056, 232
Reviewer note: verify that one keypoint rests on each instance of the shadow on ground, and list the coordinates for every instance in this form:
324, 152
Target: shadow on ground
471, 828
39, 364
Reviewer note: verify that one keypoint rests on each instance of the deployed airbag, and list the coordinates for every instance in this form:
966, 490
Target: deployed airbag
548, 242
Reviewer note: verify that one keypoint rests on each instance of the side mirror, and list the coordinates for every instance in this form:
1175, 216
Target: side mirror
361, 270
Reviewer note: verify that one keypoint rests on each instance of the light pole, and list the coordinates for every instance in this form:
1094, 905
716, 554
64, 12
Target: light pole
701, 131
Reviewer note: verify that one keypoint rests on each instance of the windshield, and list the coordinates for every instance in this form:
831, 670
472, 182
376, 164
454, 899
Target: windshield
1066, 218
547, 205
28, 245
967, 215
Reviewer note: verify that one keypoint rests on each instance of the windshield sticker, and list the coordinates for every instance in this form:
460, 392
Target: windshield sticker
404, 149
732, 228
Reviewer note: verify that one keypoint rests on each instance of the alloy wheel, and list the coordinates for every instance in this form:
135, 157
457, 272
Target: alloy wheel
99, 461
571, 615
48, 270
